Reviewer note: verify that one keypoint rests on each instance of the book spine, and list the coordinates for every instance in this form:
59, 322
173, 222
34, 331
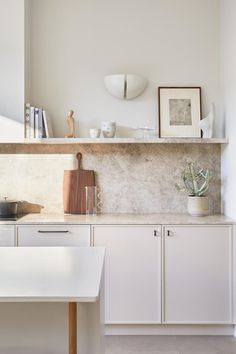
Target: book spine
40, 123
47, 125
31, 127
27, 120
45, 122
44, 130
36, 123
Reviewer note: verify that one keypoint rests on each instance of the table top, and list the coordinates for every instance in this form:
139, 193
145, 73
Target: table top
51, 274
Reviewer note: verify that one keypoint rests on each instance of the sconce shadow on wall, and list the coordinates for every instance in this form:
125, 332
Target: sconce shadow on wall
125, 86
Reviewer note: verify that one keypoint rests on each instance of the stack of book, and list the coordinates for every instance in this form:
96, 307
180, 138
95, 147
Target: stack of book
37, 123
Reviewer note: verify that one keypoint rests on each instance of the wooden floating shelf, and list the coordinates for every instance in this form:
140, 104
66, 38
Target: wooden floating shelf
154, 140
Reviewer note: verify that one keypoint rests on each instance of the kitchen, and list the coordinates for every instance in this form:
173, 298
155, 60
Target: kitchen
56, 56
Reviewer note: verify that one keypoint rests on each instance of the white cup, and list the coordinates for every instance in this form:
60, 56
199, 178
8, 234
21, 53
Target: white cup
108, 129
94, 133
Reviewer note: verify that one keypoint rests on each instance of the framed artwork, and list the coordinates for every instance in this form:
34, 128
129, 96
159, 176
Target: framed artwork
179, 112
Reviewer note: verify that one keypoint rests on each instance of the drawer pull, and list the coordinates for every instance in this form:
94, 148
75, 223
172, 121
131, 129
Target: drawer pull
170, 233
53, 232
156, 233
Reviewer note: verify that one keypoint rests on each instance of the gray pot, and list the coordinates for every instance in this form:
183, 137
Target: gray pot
8, 207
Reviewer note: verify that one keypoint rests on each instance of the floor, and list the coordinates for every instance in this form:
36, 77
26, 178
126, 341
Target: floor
170, 345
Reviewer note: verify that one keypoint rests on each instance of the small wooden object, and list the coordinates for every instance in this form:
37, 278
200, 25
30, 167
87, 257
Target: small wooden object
71, 124
74, 194
72, 327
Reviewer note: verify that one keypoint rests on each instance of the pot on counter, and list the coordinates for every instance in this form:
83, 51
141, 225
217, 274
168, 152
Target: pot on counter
8, 208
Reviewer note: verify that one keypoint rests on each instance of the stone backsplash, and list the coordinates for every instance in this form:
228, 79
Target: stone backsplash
132, 178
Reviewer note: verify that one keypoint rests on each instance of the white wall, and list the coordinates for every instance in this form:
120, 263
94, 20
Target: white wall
12, 83
27, 45
228, 56
76, 43
12, 59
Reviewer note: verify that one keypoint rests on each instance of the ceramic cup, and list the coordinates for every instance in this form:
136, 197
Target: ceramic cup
108, 129
94, 133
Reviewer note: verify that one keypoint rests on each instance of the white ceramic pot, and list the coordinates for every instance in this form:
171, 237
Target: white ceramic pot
94, 133
198, 206
108, 129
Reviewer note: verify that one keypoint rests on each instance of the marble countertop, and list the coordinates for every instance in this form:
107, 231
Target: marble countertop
7, 222
125, 219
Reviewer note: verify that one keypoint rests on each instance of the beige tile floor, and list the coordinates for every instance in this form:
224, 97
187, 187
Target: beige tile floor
170, 345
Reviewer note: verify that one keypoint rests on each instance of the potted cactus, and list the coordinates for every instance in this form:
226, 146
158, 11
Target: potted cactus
196, 184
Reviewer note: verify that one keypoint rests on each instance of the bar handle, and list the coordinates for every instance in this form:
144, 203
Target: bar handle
53, 232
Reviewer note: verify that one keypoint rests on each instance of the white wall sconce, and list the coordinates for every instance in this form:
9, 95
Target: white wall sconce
125, 86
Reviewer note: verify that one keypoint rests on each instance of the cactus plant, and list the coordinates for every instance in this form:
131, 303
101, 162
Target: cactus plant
196, 181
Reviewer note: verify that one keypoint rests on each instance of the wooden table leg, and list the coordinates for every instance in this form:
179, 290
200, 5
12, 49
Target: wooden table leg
72, 327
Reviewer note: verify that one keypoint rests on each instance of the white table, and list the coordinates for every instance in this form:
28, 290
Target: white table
54, 274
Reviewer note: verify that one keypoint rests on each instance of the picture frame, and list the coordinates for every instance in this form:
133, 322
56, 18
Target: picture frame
179, 112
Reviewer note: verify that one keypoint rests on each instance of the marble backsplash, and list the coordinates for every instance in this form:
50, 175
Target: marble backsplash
136, 178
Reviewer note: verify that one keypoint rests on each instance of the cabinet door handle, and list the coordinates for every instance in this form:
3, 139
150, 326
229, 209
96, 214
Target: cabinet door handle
170, 233
53, 232
156, 233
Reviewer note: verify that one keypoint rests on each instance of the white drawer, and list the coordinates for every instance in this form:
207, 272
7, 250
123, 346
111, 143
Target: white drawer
7, 235
53, 235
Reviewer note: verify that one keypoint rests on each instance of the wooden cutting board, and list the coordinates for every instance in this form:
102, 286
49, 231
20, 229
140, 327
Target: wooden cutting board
74, 196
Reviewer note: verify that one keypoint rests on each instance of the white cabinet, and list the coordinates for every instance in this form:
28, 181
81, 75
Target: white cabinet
181, 277
153, 274
53, 235
197, 274
132, 273
7, 235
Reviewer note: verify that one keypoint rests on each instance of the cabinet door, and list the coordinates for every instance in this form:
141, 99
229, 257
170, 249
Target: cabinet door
197, 274
132, 273
53, 235
7, 235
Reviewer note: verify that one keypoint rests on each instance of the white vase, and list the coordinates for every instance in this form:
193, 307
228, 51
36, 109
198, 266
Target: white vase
108, 129
198, 206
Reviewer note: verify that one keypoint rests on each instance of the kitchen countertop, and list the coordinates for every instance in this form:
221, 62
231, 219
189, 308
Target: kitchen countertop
10, 221
7, 222
125, 219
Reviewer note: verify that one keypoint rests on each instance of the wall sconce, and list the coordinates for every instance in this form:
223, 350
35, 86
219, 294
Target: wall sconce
125, 86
